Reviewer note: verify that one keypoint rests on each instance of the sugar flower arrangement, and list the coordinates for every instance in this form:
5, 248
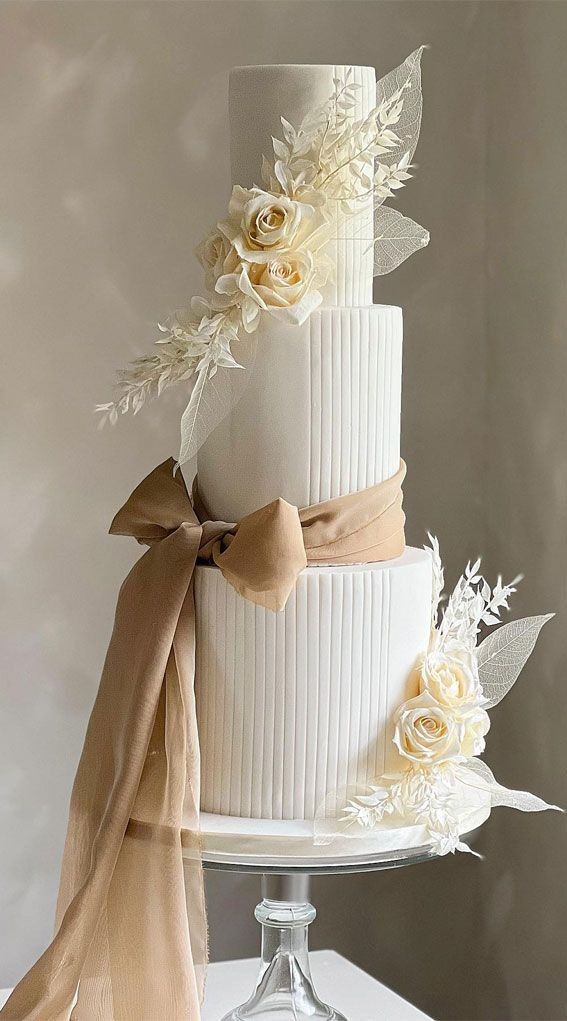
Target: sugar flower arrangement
269, 256
441, 731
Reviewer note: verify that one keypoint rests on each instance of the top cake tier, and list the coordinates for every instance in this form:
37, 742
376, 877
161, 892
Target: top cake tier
258, 97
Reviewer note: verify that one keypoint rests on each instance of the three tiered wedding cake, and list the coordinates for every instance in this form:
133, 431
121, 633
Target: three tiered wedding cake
332, 699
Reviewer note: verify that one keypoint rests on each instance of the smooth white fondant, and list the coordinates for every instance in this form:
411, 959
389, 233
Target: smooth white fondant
290, 842
258, 97
294, 705
319, 418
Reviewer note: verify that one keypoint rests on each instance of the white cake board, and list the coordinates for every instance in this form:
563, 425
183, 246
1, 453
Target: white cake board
282, 845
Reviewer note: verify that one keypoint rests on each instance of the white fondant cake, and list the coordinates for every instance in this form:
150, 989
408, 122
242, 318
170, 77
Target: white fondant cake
297, 704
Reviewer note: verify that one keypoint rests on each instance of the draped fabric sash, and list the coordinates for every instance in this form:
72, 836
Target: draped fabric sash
131, 923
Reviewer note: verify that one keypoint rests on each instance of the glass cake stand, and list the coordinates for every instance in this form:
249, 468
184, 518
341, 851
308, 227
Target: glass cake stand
284, 988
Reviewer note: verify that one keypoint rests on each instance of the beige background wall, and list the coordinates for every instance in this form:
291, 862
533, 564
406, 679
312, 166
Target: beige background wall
114, 161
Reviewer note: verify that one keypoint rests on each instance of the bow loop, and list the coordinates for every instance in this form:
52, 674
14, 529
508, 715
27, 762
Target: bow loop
157, 506
265, 555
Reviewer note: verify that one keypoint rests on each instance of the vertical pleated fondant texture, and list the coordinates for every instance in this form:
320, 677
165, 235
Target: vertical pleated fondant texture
258, 97
298, 704
354, 424
320, 417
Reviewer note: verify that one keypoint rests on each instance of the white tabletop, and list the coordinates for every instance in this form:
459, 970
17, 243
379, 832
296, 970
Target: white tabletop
337, 981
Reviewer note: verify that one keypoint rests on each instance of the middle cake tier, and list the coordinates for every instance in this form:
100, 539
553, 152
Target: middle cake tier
296, 705
320, 417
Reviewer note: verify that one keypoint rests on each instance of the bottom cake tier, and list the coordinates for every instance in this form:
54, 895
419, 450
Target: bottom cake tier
293, 706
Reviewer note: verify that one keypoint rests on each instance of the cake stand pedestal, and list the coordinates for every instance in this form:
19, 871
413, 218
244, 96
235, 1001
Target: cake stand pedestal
284, 988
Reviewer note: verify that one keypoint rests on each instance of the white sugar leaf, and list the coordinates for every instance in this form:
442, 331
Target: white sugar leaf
288, 130
503, 653
396, 238
267, 171
190, 416
162, 381
461, 846
280, 149
283, 175
377, 796
402, 85
301, 147
438, 577
225, 361
477, 773
212, 398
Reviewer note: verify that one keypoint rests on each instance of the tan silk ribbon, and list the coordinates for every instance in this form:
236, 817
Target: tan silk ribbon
131, 921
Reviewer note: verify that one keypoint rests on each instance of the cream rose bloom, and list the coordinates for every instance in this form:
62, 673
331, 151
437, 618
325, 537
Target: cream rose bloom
426, 732
285, 286
450, 678
476, 723
213, 253
283, 280
260, 222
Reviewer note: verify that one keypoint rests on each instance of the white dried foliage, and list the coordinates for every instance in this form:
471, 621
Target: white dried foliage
476, 773
438, 577
216, 390
186, 342
397, 237
176, 355
420, 795
427, 793
334, 161
351, 162
503, 654
471, 604
400, 103
329, 157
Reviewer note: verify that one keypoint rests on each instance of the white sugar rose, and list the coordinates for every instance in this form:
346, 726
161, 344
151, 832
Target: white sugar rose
285, 286
213, 253
450, 678
476, 724
259, 223
426, 732
283, 280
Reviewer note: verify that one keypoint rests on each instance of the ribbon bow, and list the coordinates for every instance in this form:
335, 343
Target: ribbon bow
130, 938
263, 554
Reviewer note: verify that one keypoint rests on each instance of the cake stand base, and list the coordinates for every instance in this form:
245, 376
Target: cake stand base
284, 989
285, 854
